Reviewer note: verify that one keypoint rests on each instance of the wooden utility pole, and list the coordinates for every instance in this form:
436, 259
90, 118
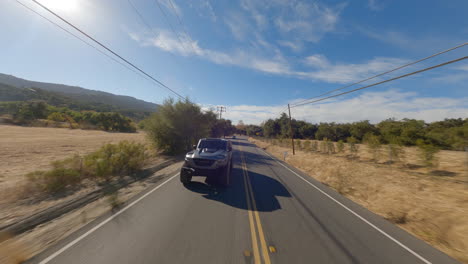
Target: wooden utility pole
220, 109
291, 130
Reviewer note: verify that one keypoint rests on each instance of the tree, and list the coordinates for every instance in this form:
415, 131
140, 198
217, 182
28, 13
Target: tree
271, 128
176, 126
359, 129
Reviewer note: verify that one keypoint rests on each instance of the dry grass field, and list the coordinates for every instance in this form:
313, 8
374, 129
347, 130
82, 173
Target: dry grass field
430, 203
26, 149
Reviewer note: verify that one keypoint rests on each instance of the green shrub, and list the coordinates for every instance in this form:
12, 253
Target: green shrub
427, 153
353, 148
55, 116
109, 161
374, 145
62, 175
115, 160
395, 150
340, 146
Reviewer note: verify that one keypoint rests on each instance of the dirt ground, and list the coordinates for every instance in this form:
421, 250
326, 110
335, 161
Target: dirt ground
430, 203
26, 149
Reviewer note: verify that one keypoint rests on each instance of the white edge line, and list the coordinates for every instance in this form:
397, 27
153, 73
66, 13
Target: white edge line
354, 213
103, 223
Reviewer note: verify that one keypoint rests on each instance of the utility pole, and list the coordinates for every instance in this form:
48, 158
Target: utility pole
291, 130
220, 109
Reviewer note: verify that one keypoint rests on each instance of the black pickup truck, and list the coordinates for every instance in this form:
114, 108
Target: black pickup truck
211, 157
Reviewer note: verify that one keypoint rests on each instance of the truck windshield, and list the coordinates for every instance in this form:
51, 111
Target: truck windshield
212, 144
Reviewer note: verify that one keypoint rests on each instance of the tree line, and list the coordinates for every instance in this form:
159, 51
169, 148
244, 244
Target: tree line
447, 134
26, 113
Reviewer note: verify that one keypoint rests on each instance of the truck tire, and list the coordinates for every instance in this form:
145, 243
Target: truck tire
225, 176
185, 177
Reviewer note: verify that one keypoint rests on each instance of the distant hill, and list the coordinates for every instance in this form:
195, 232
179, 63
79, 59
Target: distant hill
65, 94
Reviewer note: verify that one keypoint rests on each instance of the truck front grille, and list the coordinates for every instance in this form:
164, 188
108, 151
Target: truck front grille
203, 162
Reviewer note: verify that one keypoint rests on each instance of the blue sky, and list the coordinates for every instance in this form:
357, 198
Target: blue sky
253, 56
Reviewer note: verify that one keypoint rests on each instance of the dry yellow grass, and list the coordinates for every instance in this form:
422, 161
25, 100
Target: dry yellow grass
26, 149
433, 208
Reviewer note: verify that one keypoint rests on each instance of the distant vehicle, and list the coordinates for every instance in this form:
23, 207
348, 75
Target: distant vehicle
233, 137
211, 157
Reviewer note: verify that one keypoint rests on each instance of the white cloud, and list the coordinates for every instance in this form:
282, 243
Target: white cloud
373, 106
345, 73
166, 41
294, 46
321, 69
307, 21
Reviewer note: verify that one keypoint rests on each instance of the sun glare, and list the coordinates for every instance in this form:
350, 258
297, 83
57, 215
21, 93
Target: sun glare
61, 5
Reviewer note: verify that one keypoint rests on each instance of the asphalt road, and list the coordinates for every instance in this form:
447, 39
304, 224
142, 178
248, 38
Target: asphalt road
271, 213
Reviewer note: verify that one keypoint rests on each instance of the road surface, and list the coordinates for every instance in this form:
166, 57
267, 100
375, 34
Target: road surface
271, 213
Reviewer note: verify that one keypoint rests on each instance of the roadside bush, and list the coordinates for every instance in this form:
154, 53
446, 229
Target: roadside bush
353, 148
427, 153
340, 146
62, 175
115, 160
109, 161
395, 150
57, 117
374, 145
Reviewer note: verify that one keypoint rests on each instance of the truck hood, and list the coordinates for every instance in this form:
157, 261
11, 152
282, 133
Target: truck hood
206, 153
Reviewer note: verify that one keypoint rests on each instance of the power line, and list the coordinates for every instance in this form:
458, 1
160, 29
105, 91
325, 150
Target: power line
170, 26
383, 73
108, 49
143, 20
182, 24
80, 39
385, 81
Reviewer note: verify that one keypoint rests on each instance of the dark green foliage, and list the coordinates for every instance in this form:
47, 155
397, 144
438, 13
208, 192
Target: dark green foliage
222, 128
179, 125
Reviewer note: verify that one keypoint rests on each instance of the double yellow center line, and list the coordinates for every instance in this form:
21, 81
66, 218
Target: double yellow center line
254, 218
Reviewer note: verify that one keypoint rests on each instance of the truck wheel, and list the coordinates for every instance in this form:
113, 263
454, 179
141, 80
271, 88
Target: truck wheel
185, 177
225, 175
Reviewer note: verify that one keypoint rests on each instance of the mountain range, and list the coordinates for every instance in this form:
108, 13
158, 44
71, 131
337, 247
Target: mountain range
17, 89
